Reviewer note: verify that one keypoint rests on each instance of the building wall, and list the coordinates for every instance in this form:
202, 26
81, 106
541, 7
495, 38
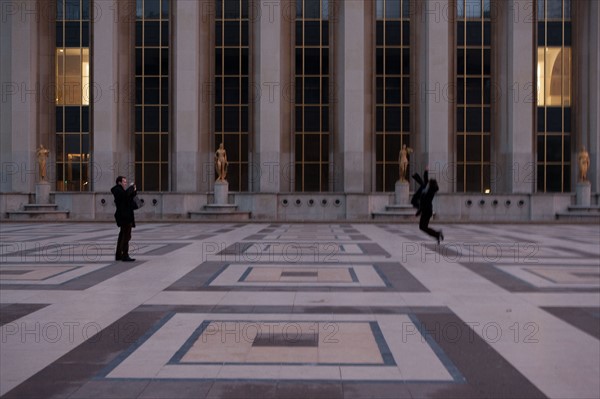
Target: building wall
27, 114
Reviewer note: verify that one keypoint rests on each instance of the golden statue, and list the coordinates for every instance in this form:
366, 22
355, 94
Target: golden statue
583, 158
221, 163
42, 156
403, 160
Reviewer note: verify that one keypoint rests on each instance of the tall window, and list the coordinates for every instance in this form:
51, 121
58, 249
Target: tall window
231, 88
311, 133
392, 109
473, 94
152, 95
72, 95
553, 133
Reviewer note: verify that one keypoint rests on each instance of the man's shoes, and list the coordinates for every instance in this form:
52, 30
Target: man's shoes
441, 237
128, 259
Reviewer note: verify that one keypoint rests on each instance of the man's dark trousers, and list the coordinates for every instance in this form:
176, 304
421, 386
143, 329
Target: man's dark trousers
123, 242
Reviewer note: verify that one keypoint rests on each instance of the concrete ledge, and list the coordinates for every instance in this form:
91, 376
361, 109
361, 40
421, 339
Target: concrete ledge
220, 216
311, 207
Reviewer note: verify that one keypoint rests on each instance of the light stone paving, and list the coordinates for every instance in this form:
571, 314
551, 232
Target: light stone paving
506, 310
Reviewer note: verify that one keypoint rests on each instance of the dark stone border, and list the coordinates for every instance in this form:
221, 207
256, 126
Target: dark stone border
585, 319
514, 284
395, 276
486, 373
10, 312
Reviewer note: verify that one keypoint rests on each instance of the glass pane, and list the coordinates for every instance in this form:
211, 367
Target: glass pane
151, 148
312, 33
392, 9
312, 9
151, 176
151, 90
151, 119
72, 119
392, 90
393, 33
151, 61
152, 33
460, 8
393, 62
473, 8
165, 8
231, 34
473, 62
72, 34
554, 148
567, 11
474, 147
473, 119
379, 9
72, 10
554, 9
312, 147
232, 9
312, 119
152, 9
231, 119
232, 61
473, 177
474, 36
312, 65
392, 119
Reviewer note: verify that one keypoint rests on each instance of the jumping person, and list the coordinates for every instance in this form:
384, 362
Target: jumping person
423, 200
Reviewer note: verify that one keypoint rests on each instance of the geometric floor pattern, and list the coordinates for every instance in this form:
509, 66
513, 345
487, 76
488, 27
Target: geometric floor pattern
294, 310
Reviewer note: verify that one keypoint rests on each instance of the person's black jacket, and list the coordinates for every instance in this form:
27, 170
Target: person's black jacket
416, 198
124, 203
426, 203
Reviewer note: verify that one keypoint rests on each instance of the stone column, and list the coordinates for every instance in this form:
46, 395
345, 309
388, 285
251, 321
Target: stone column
351, 60
586, 93
434, 127
22, 92
187, 84
513, 160
113, 92
270, 97
6, 169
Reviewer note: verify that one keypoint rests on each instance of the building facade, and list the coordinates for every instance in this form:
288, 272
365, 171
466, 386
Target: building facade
312, 99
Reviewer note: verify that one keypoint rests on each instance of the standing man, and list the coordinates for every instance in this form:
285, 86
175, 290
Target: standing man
124, 216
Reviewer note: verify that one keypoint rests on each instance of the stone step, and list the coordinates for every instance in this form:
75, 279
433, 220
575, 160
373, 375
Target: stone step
38, 215
219, 215
40, 207
220, 208
400, 209
395, 216
579, 216
581, 208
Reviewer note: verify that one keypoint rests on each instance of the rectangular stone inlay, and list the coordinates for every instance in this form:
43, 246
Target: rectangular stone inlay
282, 339
13, 272
299, 274
286, 342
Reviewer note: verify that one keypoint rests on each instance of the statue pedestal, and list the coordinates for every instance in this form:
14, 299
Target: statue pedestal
42, 193
221, 192
402, 195
584, 193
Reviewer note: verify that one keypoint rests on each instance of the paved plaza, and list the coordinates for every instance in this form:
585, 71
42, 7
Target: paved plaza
262, 310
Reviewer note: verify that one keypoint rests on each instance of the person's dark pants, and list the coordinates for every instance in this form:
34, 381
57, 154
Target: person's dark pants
123, 242
424, 225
